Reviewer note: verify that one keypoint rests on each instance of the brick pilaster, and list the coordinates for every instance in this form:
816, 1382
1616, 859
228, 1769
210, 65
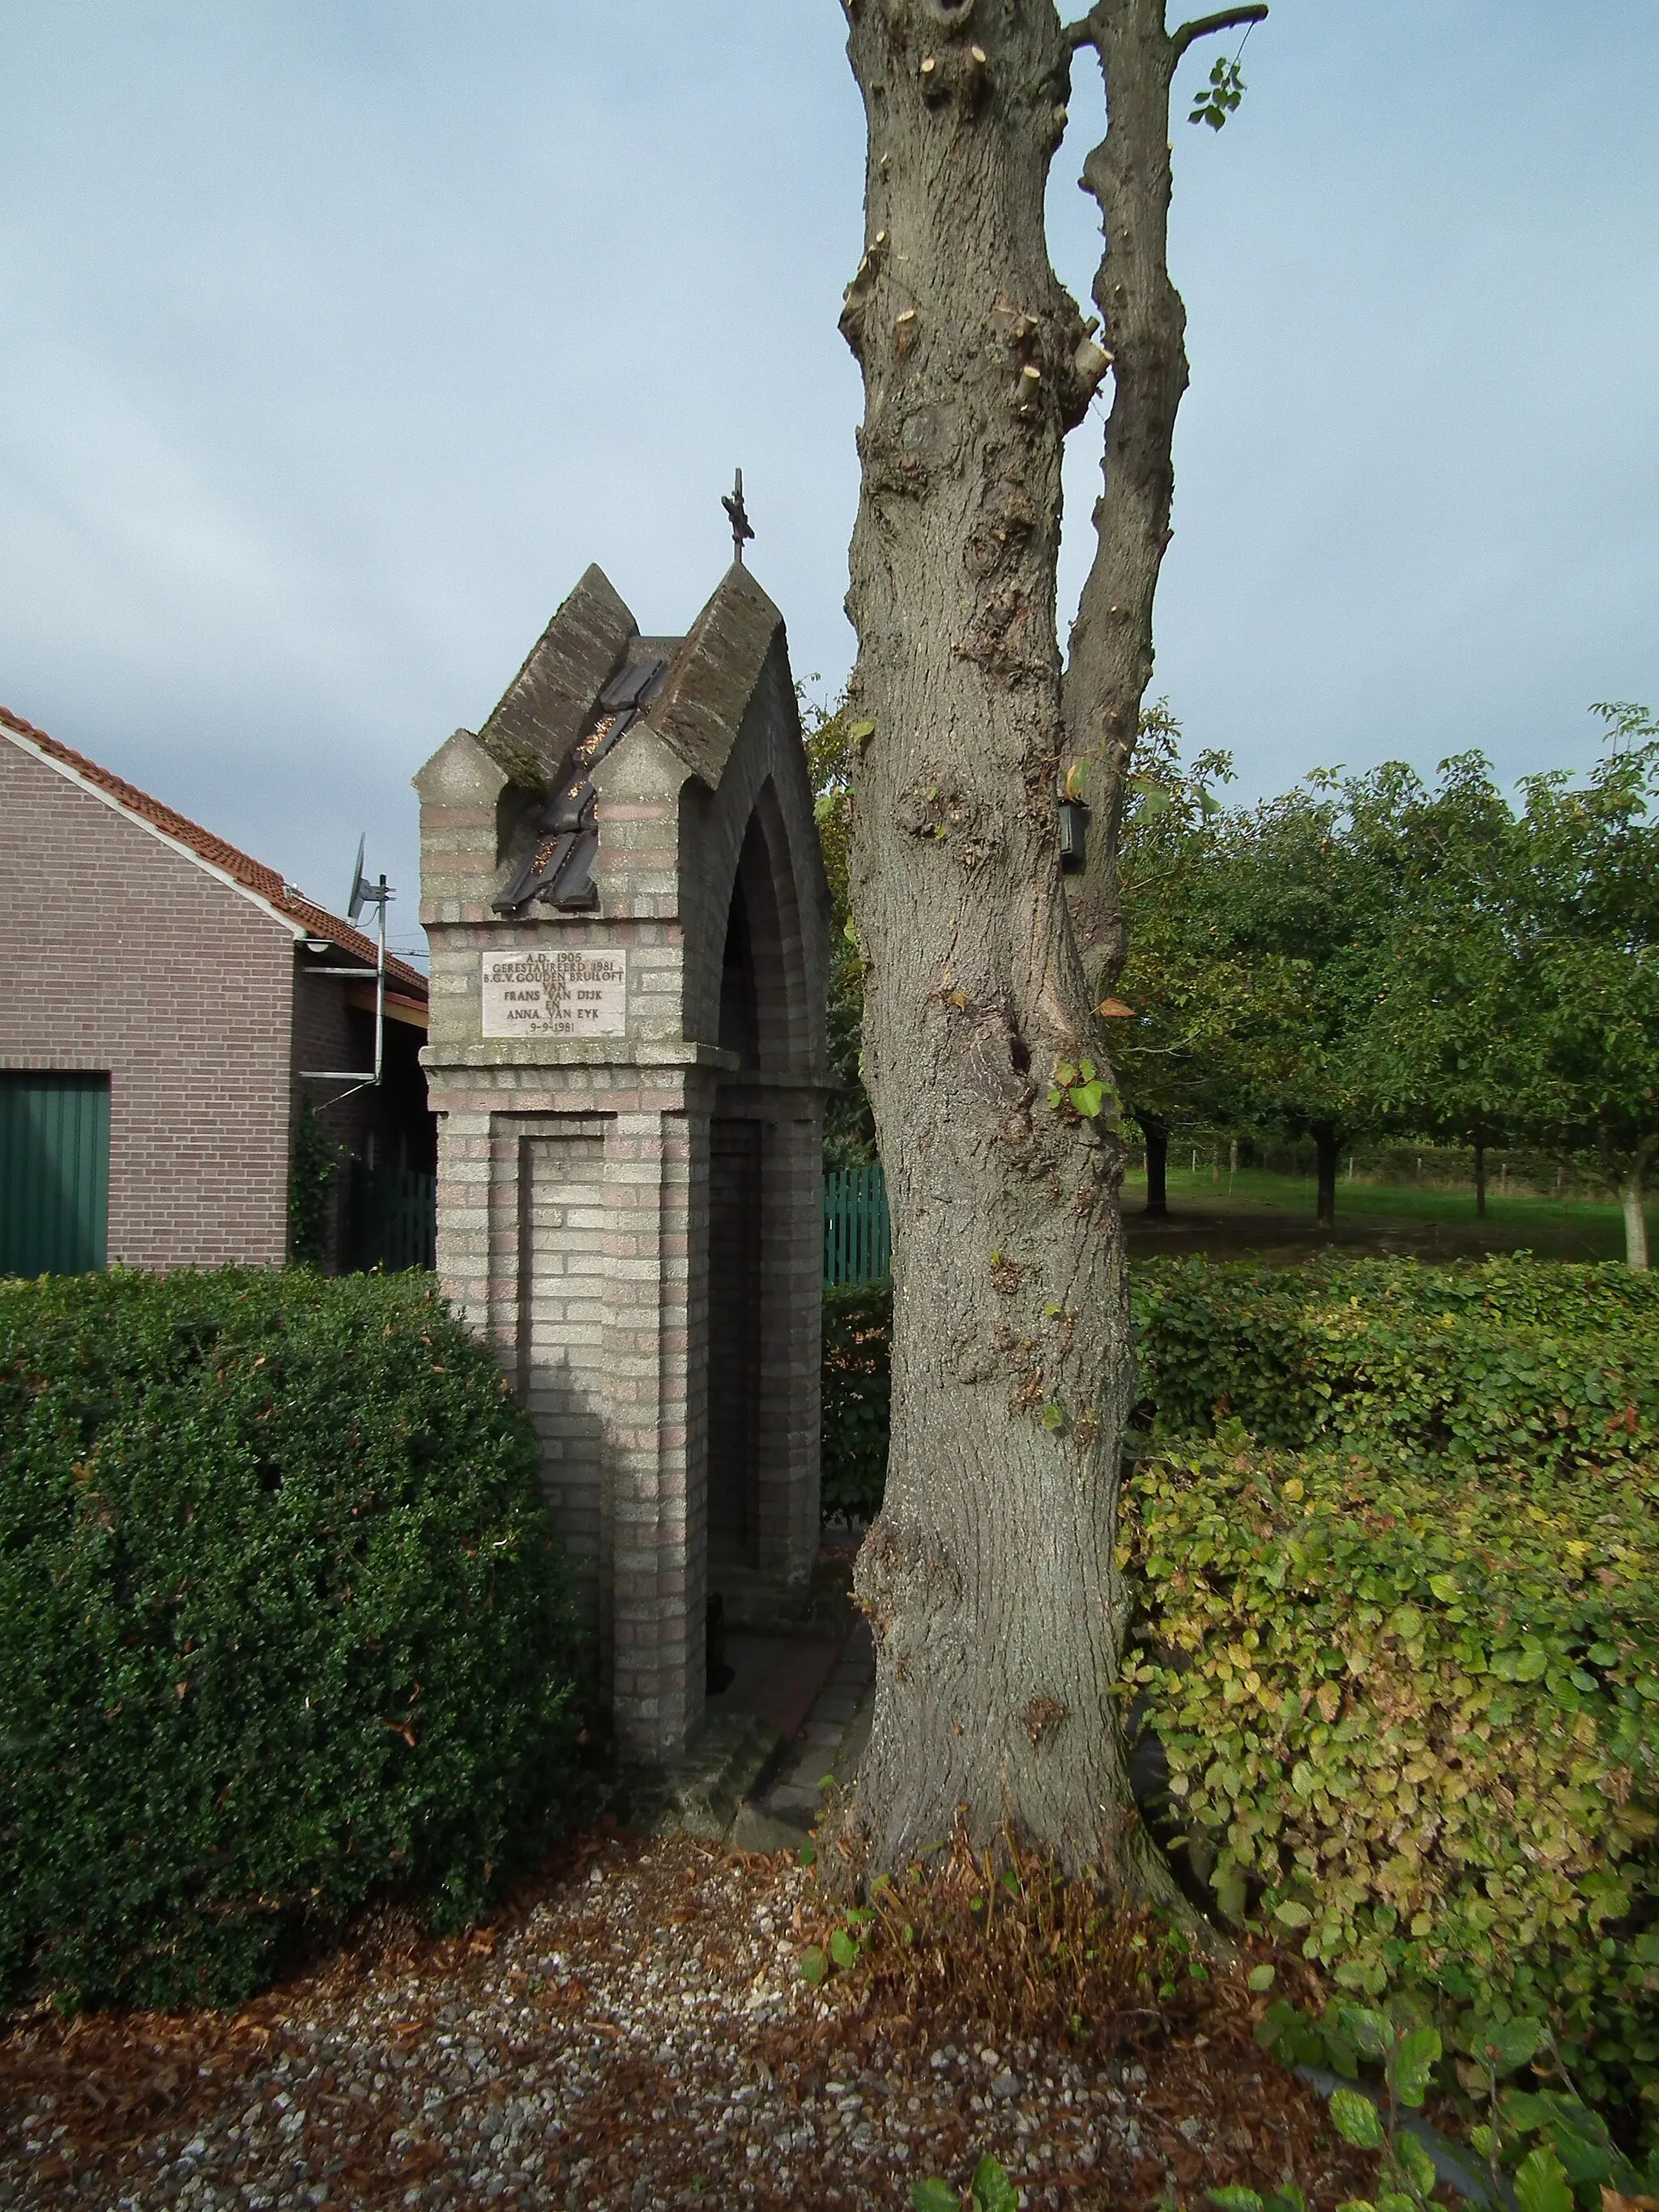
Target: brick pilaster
656, 1179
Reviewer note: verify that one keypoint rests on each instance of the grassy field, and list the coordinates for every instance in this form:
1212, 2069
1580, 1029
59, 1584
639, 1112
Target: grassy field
1273, 1216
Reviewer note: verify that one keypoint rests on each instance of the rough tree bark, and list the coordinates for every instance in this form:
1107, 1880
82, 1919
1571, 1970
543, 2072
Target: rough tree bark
1632, 1198
989, 1574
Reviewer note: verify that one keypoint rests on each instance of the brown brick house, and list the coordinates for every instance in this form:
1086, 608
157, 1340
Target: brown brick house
159, 1005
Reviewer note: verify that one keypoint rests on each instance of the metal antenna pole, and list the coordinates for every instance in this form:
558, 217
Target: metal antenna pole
383, 896
357, 1078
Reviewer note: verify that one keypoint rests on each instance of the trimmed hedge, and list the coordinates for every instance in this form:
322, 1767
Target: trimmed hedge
283, 1626
1415, 1716
1506, 1362
1408, 1681
858, 1323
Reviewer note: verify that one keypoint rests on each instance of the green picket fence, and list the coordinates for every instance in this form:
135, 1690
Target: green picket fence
392, 1218
858, 1240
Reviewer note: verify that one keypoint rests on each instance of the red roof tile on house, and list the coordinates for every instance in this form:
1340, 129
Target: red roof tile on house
252, 874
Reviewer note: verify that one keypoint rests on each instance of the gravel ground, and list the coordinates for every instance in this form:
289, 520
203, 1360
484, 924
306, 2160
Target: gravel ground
634, 2033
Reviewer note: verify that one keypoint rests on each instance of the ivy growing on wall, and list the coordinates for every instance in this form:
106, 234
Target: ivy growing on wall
313, 1163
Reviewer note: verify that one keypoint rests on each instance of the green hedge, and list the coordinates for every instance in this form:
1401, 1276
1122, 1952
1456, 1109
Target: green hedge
1506, 1362
283, 1626
858, 1321
1415, 1717
1406, 1680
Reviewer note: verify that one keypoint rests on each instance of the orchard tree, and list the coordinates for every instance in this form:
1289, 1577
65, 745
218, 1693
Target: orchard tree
1447, 1048
1586, 899
1188, 1024
989, 1575
1302, 895
1518, 985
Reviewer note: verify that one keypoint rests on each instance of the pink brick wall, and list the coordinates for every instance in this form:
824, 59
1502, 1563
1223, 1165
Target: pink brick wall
118, 953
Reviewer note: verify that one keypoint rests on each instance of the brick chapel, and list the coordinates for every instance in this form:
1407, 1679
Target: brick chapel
624, 894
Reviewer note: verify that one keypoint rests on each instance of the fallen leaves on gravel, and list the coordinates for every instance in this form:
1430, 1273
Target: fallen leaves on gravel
634, 2032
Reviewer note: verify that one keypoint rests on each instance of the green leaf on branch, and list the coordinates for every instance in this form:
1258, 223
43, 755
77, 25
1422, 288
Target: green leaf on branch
1412, 2062
934, 2195
1153, 796
993, 2190
1541, 2184
1415, 2163
814, 1965
1220, 97
1508, 2043
1372, 2031
1356, 2119
1525, 2112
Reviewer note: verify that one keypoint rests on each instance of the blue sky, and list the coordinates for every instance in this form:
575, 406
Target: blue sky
340, 335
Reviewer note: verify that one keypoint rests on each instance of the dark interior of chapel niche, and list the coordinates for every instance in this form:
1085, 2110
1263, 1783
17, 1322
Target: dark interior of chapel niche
734, 1210
734, 1342
740, 1015
756, 992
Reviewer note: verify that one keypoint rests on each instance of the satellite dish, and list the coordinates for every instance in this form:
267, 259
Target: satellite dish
361, 890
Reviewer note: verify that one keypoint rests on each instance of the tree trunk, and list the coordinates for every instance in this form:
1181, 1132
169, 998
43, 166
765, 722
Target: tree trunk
1326, 1149
1158, 1168
1631, 1197
1481, 1178
1144, 332
989, 1575
1144, 328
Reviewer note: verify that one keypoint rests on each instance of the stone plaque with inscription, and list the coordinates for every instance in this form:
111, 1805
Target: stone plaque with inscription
563, 994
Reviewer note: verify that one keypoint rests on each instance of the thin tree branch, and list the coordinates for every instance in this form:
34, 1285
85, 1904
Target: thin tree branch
1202, 26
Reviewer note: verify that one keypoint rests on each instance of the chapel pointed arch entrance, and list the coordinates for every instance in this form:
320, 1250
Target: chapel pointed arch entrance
752, 1234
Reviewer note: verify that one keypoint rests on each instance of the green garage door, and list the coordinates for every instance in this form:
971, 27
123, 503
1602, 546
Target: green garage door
54, 1173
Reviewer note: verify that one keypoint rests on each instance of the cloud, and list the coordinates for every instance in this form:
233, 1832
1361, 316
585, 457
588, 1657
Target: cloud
340, 340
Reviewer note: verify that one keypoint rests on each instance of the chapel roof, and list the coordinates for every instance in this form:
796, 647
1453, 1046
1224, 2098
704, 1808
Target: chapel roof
586, 682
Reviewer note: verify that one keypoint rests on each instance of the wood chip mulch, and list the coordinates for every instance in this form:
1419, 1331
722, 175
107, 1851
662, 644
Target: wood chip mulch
633, 2033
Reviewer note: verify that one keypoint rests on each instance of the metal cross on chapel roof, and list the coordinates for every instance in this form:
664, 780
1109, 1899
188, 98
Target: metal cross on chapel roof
733, 502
